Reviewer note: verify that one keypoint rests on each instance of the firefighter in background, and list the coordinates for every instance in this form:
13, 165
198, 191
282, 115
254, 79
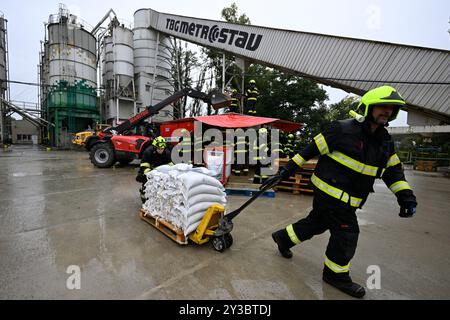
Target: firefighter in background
198, 149
246, 165
260, 151
187, 145
234, 104
251, 96
275, 146
240, 165
288, 146
154, 156
353, 153
214, 143
283, 136
227, 145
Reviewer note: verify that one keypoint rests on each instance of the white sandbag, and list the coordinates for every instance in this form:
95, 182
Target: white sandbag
178, 167
191, 228
202, 206
181, 195
183, 167
196, 217
192, 179
202, 189
191, 201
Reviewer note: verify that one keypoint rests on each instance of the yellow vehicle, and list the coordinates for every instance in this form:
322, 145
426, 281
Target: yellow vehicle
81, 137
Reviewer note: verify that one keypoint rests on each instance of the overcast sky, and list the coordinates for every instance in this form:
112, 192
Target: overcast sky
412, 22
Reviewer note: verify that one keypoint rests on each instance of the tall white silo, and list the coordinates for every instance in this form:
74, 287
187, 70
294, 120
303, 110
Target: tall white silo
118, 73
152, 65
68, 74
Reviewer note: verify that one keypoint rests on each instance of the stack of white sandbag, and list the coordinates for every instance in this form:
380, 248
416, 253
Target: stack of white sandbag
181, 194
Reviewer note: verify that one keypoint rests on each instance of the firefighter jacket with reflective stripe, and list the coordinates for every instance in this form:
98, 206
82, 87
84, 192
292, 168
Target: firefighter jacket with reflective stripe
261, 148
351, 158
186, 144
252, 93
152, 159
234, 102
240, 144
288, 145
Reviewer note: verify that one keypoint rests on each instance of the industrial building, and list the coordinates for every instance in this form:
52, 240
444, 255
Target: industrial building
24, 132
68, 77
131, 64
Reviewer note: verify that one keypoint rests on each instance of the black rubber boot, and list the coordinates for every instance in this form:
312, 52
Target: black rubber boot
284, 250
347, 286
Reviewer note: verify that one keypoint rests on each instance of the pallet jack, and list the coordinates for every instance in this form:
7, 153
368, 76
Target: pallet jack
221, 236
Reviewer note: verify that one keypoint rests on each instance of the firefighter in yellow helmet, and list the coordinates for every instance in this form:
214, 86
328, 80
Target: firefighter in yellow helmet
289, 145
234, 105
186, 146
154, 156
352, 154
251, 96
261, 150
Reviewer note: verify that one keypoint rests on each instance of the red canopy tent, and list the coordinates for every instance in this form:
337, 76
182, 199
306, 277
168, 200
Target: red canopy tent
228, 120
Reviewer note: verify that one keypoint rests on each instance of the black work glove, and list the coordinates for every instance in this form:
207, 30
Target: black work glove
283, 173
141, 178
407, 209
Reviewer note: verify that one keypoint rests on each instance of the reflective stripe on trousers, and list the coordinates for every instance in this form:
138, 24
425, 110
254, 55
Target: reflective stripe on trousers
292, 235
335, 267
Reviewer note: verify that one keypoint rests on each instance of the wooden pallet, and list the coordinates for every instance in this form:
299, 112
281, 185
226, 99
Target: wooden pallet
165, 227
296, 184
301, 181
308, 165
423, 165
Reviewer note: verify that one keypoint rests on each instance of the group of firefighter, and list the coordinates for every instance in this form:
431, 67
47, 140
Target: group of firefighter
250, 98
260, 149
247, 153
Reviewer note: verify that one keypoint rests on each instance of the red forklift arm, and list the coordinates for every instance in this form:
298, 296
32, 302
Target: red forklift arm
215, 99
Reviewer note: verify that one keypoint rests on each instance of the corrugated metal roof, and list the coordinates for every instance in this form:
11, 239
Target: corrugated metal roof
421, 75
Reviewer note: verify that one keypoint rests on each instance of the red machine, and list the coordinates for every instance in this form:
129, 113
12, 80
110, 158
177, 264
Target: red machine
111, 145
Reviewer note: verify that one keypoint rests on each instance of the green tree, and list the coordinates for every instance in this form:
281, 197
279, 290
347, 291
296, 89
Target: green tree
231, 14
290, 97
340, 110
183, 62
215, 57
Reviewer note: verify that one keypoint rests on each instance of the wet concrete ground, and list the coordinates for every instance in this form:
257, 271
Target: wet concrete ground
57, 210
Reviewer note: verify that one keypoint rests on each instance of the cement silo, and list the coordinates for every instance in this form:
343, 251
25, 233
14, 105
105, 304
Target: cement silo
68, 74
118, 73
151, 65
